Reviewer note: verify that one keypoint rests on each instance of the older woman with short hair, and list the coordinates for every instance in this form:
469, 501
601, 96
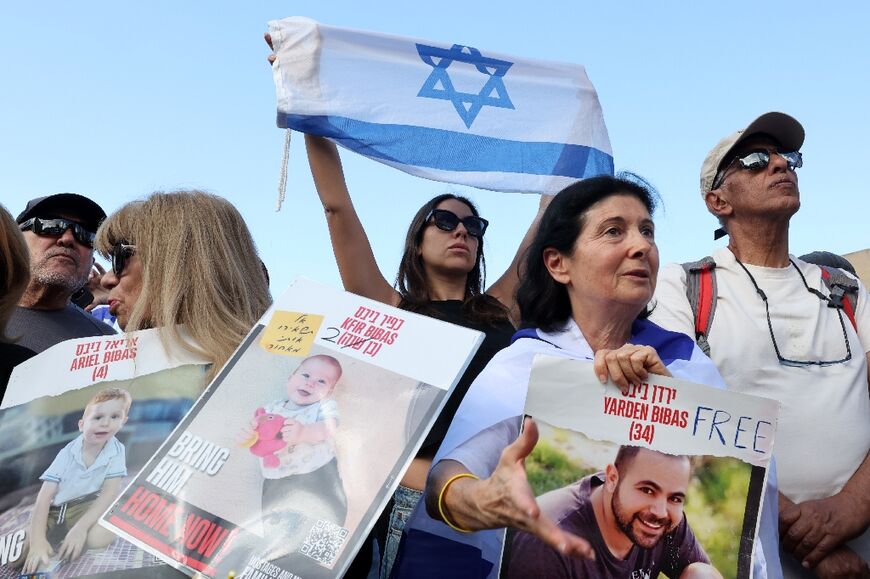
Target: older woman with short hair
184, 258
589, 274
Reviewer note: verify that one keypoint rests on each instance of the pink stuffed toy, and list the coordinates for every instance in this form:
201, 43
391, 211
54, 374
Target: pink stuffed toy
267, 437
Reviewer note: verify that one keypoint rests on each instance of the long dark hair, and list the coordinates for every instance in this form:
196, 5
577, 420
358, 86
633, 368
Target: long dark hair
543, 302
411, 282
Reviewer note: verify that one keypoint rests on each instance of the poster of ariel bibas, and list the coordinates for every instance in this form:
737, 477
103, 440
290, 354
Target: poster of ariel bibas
667, 478
77, 423
284, 464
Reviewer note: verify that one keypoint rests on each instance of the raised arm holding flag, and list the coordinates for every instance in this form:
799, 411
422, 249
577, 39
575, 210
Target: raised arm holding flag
449, 113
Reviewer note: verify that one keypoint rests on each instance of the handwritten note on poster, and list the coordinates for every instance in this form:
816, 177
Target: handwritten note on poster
291, 333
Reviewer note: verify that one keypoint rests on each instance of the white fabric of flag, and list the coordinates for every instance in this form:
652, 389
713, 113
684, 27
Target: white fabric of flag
438, 110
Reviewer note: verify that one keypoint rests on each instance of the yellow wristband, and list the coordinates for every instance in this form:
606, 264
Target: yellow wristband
441, 512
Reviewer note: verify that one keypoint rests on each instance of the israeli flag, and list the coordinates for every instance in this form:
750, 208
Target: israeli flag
439, 110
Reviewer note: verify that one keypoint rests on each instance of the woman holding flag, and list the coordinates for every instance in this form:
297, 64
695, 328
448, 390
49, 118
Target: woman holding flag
441, 275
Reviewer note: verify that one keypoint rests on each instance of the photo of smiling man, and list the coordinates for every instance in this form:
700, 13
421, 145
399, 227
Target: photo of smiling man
631, 514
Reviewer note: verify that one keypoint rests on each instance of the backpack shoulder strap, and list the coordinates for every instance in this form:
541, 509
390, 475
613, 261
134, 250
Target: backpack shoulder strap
844, 291
701, 291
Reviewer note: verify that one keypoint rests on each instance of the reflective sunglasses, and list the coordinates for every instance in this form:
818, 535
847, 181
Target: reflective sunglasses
121, 252
448, 221
755, 160
57, 227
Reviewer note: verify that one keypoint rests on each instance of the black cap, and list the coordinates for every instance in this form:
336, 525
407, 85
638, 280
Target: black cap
85, 211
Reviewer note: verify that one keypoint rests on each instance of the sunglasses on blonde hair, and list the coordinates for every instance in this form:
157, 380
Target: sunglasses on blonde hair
121, 252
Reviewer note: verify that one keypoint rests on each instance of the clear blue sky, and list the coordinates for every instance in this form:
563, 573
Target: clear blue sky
117, 99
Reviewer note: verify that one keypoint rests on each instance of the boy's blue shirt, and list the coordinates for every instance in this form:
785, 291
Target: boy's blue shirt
76, 480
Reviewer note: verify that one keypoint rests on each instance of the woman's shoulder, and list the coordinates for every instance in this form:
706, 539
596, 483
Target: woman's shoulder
14, 354
527, 343
481, 312
11, 355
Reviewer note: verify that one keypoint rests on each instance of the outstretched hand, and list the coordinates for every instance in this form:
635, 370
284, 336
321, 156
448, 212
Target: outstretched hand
628, 365
506, 500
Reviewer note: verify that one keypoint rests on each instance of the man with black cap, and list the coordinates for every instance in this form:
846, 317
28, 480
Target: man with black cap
768, 320
59, 230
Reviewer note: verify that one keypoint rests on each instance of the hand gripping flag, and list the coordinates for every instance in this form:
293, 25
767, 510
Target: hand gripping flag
439, 110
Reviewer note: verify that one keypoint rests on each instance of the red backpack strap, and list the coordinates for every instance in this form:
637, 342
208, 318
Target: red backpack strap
701, 292
843, 290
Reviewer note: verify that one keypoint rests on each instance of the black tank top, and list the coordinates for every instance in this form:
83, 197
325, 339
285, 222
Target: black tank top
498, 336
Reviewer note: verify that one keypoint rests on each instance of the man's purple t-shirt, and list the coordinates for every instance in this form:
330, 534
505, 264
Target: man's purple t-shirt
571, 510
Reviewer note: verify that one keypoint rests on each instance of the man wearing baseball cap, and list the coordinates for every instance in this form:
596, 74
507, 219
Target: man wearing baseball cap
59, 230
775, 332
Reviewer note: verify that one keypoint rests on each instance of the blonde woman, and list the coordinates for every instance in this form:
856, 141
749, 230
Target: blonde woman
184, 257
14, 277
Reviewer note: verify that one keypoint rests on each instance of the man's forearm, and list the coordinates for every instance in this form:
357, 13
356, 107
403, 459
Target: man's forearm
857, 489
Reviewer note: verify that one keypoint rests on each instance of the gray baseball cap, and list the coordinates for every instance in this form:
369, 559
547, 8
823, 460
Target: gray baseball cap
785, 129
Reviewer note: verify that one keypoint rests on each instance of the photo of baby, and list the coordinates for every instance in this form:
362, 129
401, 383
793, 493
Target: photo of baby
81, 482
313, 443
303, 459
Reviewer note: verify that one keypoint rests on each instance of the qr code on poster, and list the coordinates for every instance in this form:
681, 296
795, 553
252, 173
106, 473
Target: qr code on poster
324, 542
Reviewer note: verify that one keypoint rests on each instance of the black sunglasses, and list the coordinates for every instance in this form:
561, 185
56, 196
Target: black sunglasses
755, 160
448, 221
57, 227
121, 252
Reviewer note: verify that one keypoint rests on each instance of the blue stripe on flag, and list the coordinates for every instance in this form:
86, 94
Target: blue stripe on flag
453, 151
671, 346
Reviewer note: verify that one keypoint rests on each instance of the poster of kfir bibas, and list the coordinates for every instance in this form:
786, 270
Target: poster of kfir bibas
283, 466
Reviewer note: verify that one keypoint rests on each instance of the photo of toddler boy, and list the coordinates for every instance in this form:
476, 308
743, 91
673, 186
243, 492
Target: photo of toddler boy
79, 485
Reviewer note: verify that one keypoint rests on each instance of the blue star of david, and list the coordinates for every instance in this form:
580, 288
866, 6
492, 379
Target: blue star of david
468, 105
